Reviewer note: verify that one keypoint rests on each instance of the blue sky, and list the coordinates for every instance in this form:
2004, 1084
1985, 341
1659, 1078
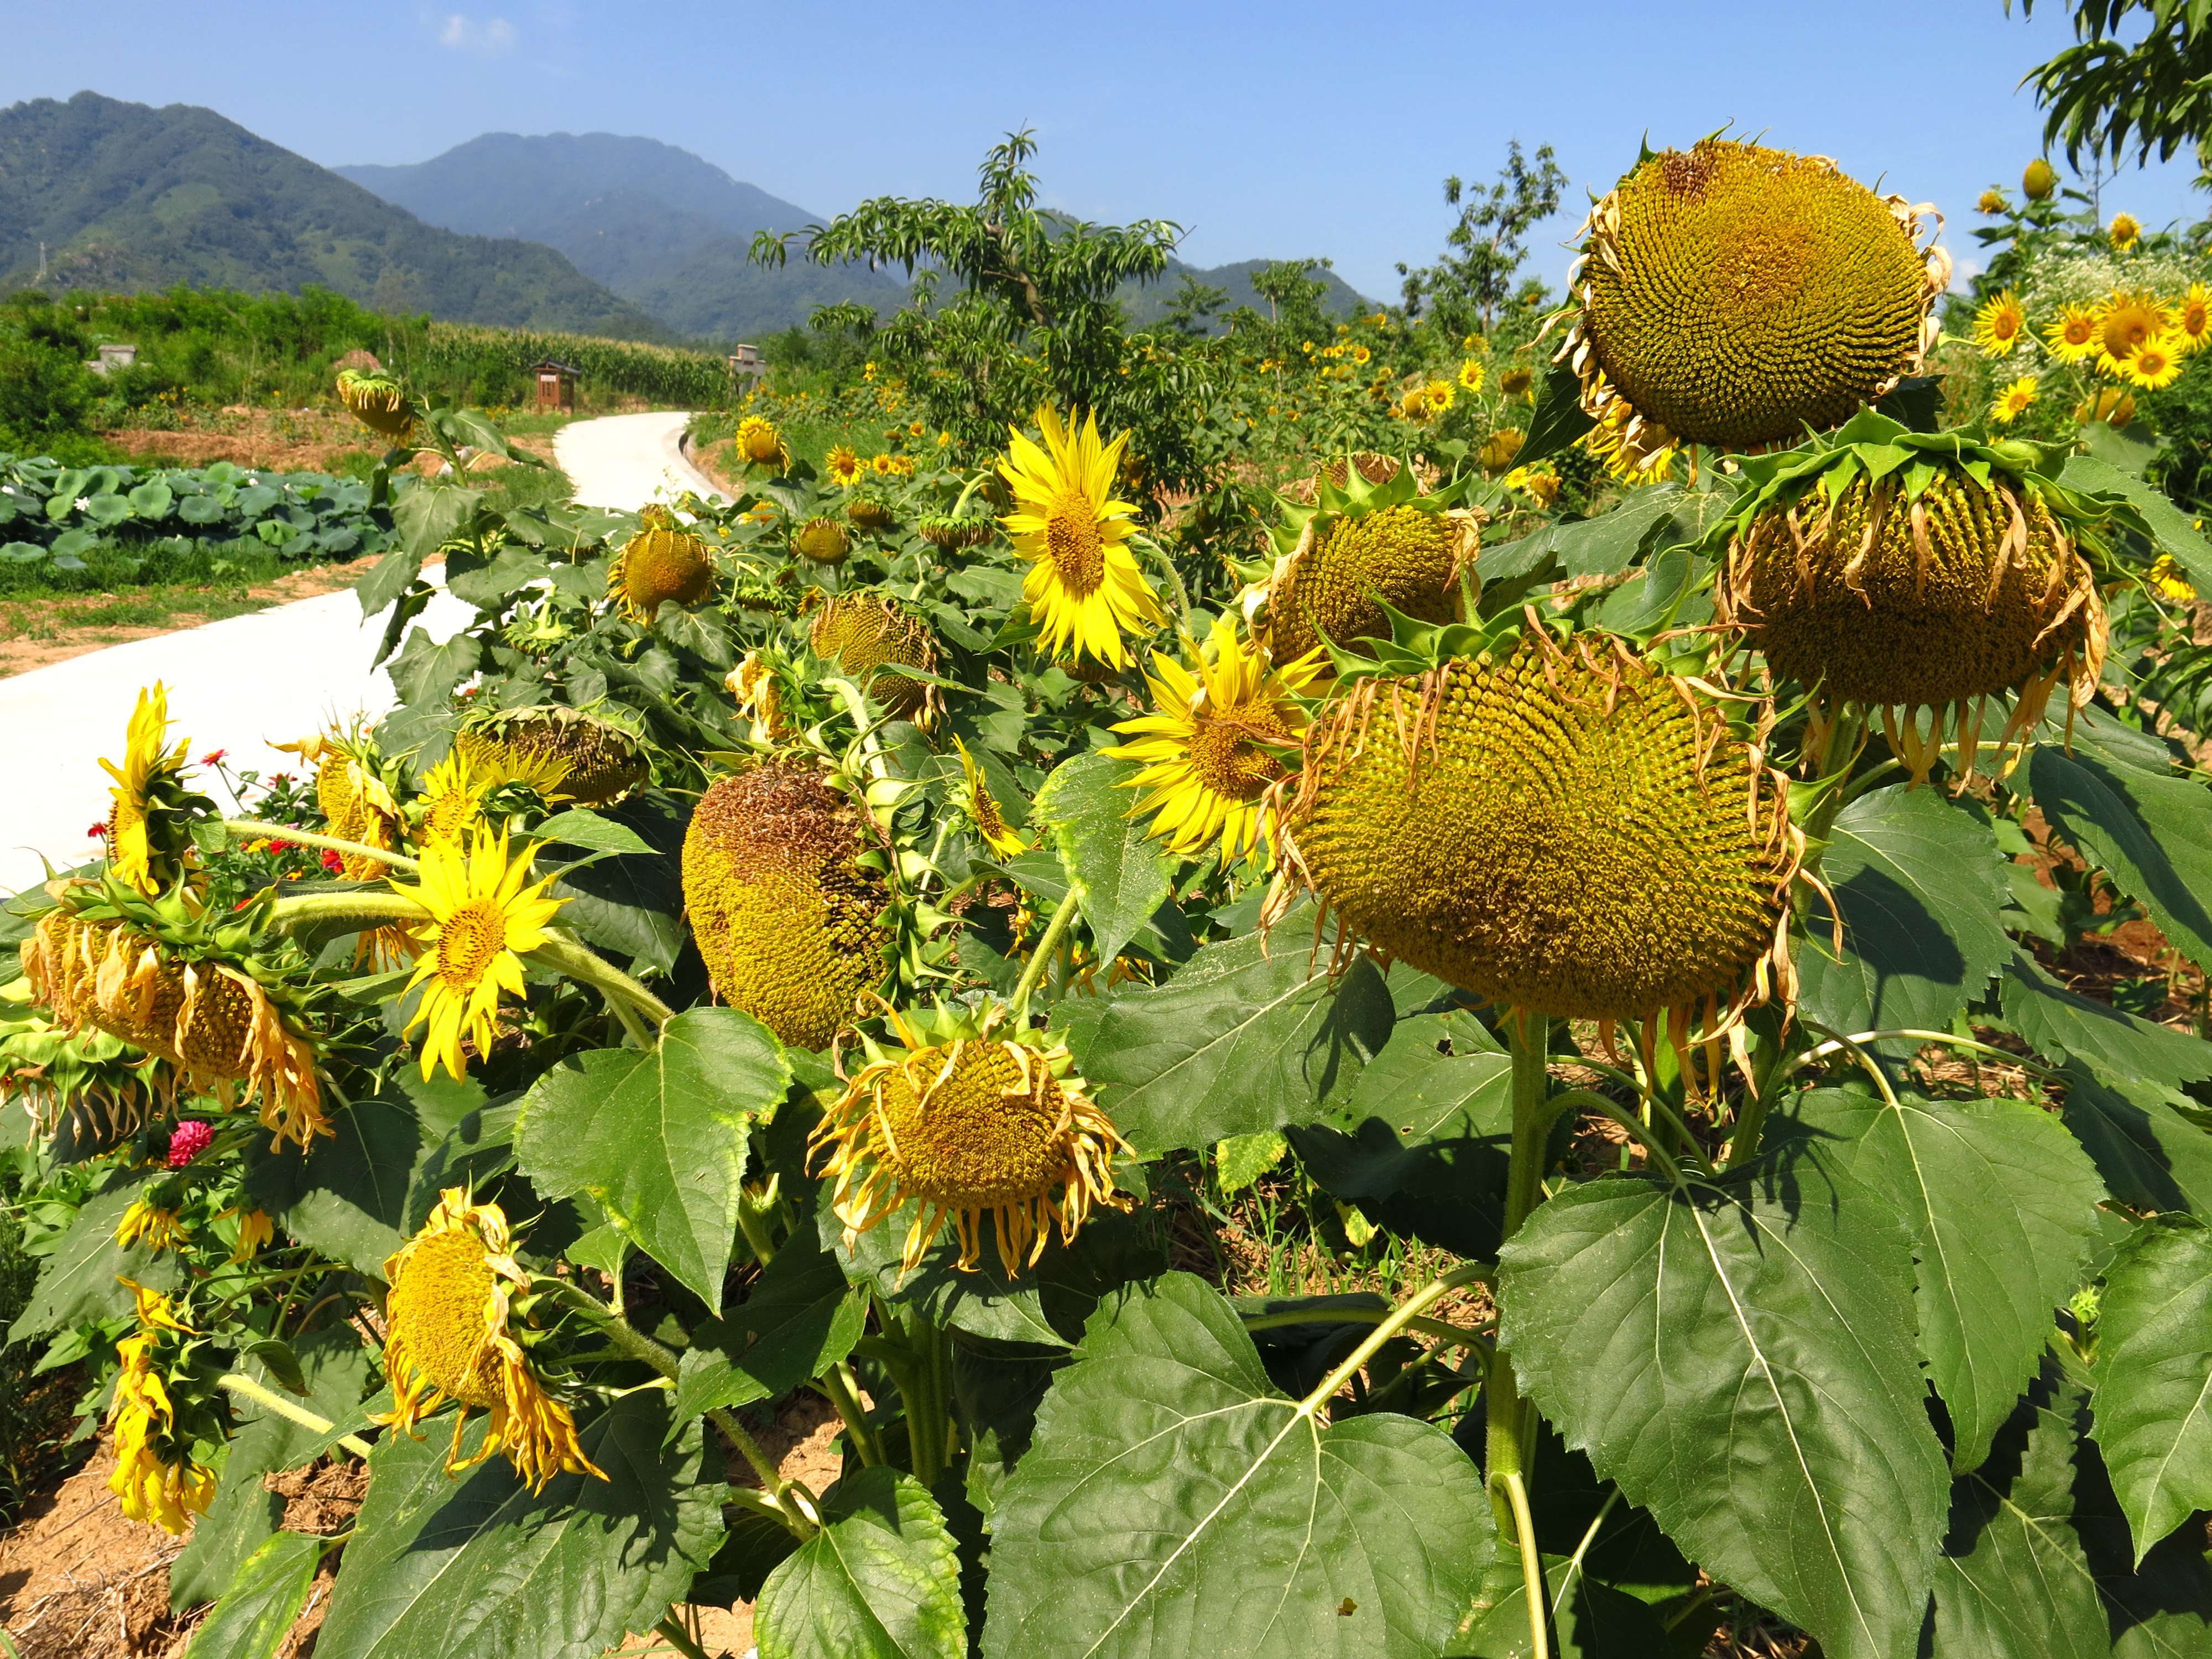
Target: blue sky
1268, 131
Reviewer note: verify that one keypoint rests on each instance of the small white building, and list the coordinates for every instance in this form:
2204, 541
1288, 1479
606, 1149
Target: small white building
746, 362
109, 358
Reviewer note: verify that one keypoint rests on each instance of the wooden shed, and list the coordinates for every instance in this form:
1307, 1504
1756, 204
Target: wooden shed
556, 386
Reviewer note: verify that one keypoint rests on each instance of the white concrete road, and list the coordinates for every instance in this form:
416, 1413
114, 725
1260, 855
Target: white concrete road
239, 684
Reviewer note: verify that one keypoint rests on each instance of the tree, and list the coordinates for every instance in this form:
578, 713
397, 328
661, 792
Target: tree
1191, 309
1032, 318
1293, 297
1466, 287
2105, 95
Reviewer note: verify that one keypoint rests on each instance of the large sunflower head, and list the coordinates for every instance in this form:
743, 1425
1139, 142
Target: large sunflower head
1733, 295
950, 534
2125, 323
660, 565
2014, 401
869, 512
483, 914
451, 802
1933, 587
149, 828
455, 1329
971, 1119
787, 914
759, 444
1084, 587
865, 633
2126, 231
564, 754
69, 1071
1569, 832
2192, 317
2001, 325
201, 991
1212, 748
377, 401
1359, 547
2156, 363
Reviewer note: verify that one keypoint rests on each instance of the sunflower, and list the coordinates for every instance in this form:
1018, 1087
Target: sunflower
149, 844
1470, 376
484, 914
2038, 179
353, 791
967, 1124
1992, 201
2166, 576
1084, 587
759, 444
2126, 231
453, 798
2013, 401
2126, 321
1360, 355
154, 1225
1207, 753
377, 401
2000, 325
843, 466
452, 1334
159, 1472
255, 1231
1540, 481
660, 565
2156, 363
1438, 398
1518, 381
2073, 337
2111, 404
2192, 317
983, 810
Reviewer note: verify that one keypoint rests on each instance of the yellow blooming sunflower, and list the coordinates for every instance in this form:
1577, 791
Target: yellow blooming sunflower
2166, 576
2156, 363
1992, 201
2073, 337
157, 1228
984, 809
148, 845
969, 1125
450, 1335
2192, 317
1438, 398
452, 801
2014, 401
2125, 323
157, 1477
844, 467
2000, 325
759, 444
1207, 754
1084, 587
1470, 376
485, 914
2126, 231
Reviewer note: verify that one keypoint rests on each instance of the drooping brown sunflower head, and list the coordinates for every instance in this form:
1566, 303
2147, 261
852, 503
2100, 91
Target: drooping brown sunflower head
1571, 832
657, 565
1359, 548
788, 918
862, 632
869, 512
823, 540
604, 758
950, 534
970, 1123
1921, 588
1733, 295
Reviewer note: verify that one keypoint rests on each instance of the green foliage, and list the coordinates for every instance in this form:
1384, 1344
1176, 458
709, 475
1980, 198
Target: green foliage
2122, 87
1466, 289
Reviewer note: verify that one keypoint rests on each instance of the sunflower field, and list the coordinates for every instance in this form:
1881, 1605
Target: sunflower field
1689, 872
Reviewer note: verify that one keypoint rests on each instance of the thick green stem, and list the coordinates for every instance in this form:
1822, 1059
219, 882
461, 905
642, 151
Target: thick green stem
680, 1638
366, 908
839, 1387
312, 838
246, 1388
1511, 1421
1046, 947
566, 956
1531, 1567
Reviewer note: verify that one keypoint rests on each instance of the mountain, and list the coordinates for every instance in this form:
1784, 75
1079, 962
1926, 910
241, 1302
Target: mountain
657, 225
1147, 304
125, 196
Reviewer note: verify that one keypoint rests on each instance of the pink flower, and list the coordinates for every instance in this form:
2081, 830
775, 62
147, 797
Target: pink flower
187, 1141
213, 757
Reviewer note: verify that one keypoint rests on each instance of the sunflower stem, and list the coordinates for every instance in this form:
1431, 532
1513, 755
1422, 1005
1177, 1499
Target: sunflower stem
246, 1388
1047, 949
311, 838
566, 956
1643, 1135
367, 908
840, 1388
1511, 1421
1400, 1317
679, 1638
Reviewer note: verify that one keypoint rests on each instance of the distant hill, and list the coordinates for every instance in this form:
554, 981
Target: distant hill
125, 196
1149, 303
657, 225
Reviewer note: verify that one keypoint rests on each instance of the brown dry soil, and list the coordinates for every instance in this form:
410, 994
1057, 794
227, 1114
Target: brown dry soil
78, 1581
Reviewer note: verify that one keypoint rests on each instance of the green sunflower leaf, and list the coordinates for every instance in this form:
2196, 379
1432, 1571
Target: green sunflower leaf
1173, 1501
2002, 1205
1739, 1358
476, 1567
78, 1282
880, 1581
2153, 1405
2152, 1156
1114, 868
659, 1137
2065, 1024
257, 1610
801, 1318
2147, 832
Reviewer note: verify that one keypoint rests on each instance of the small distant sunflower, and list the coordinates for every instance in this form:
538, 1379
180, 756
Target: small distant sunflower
2000, 325
2166, 576
377, 401
823, 539
1084, 587
1539, 480
1439, 397
2014, 401
2038, 179
2073, 337
1518, 381
983, 810
1360, 355
843, 466
2192, 317
485, 914
2156, 363
455, 1331
759, 444
2111, 404
1470, 376
660, 565
2125, 323
1207, 752
149, 841
969, 1126
2126, 231
1992, 201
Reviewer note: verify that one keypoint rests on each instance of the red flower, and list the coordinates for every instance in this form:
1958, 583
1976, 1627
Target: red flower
333, 863
187, 1141
276, 846
213, 757
99, 831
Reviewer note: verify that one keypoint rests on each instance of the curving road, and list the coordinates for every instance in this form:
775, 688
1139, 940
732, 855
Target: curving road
274, 675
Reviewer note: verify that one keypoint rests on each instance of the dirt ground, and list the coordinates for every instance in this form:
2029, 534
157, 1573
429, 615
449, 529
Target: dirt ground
290, 440
78, 1581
